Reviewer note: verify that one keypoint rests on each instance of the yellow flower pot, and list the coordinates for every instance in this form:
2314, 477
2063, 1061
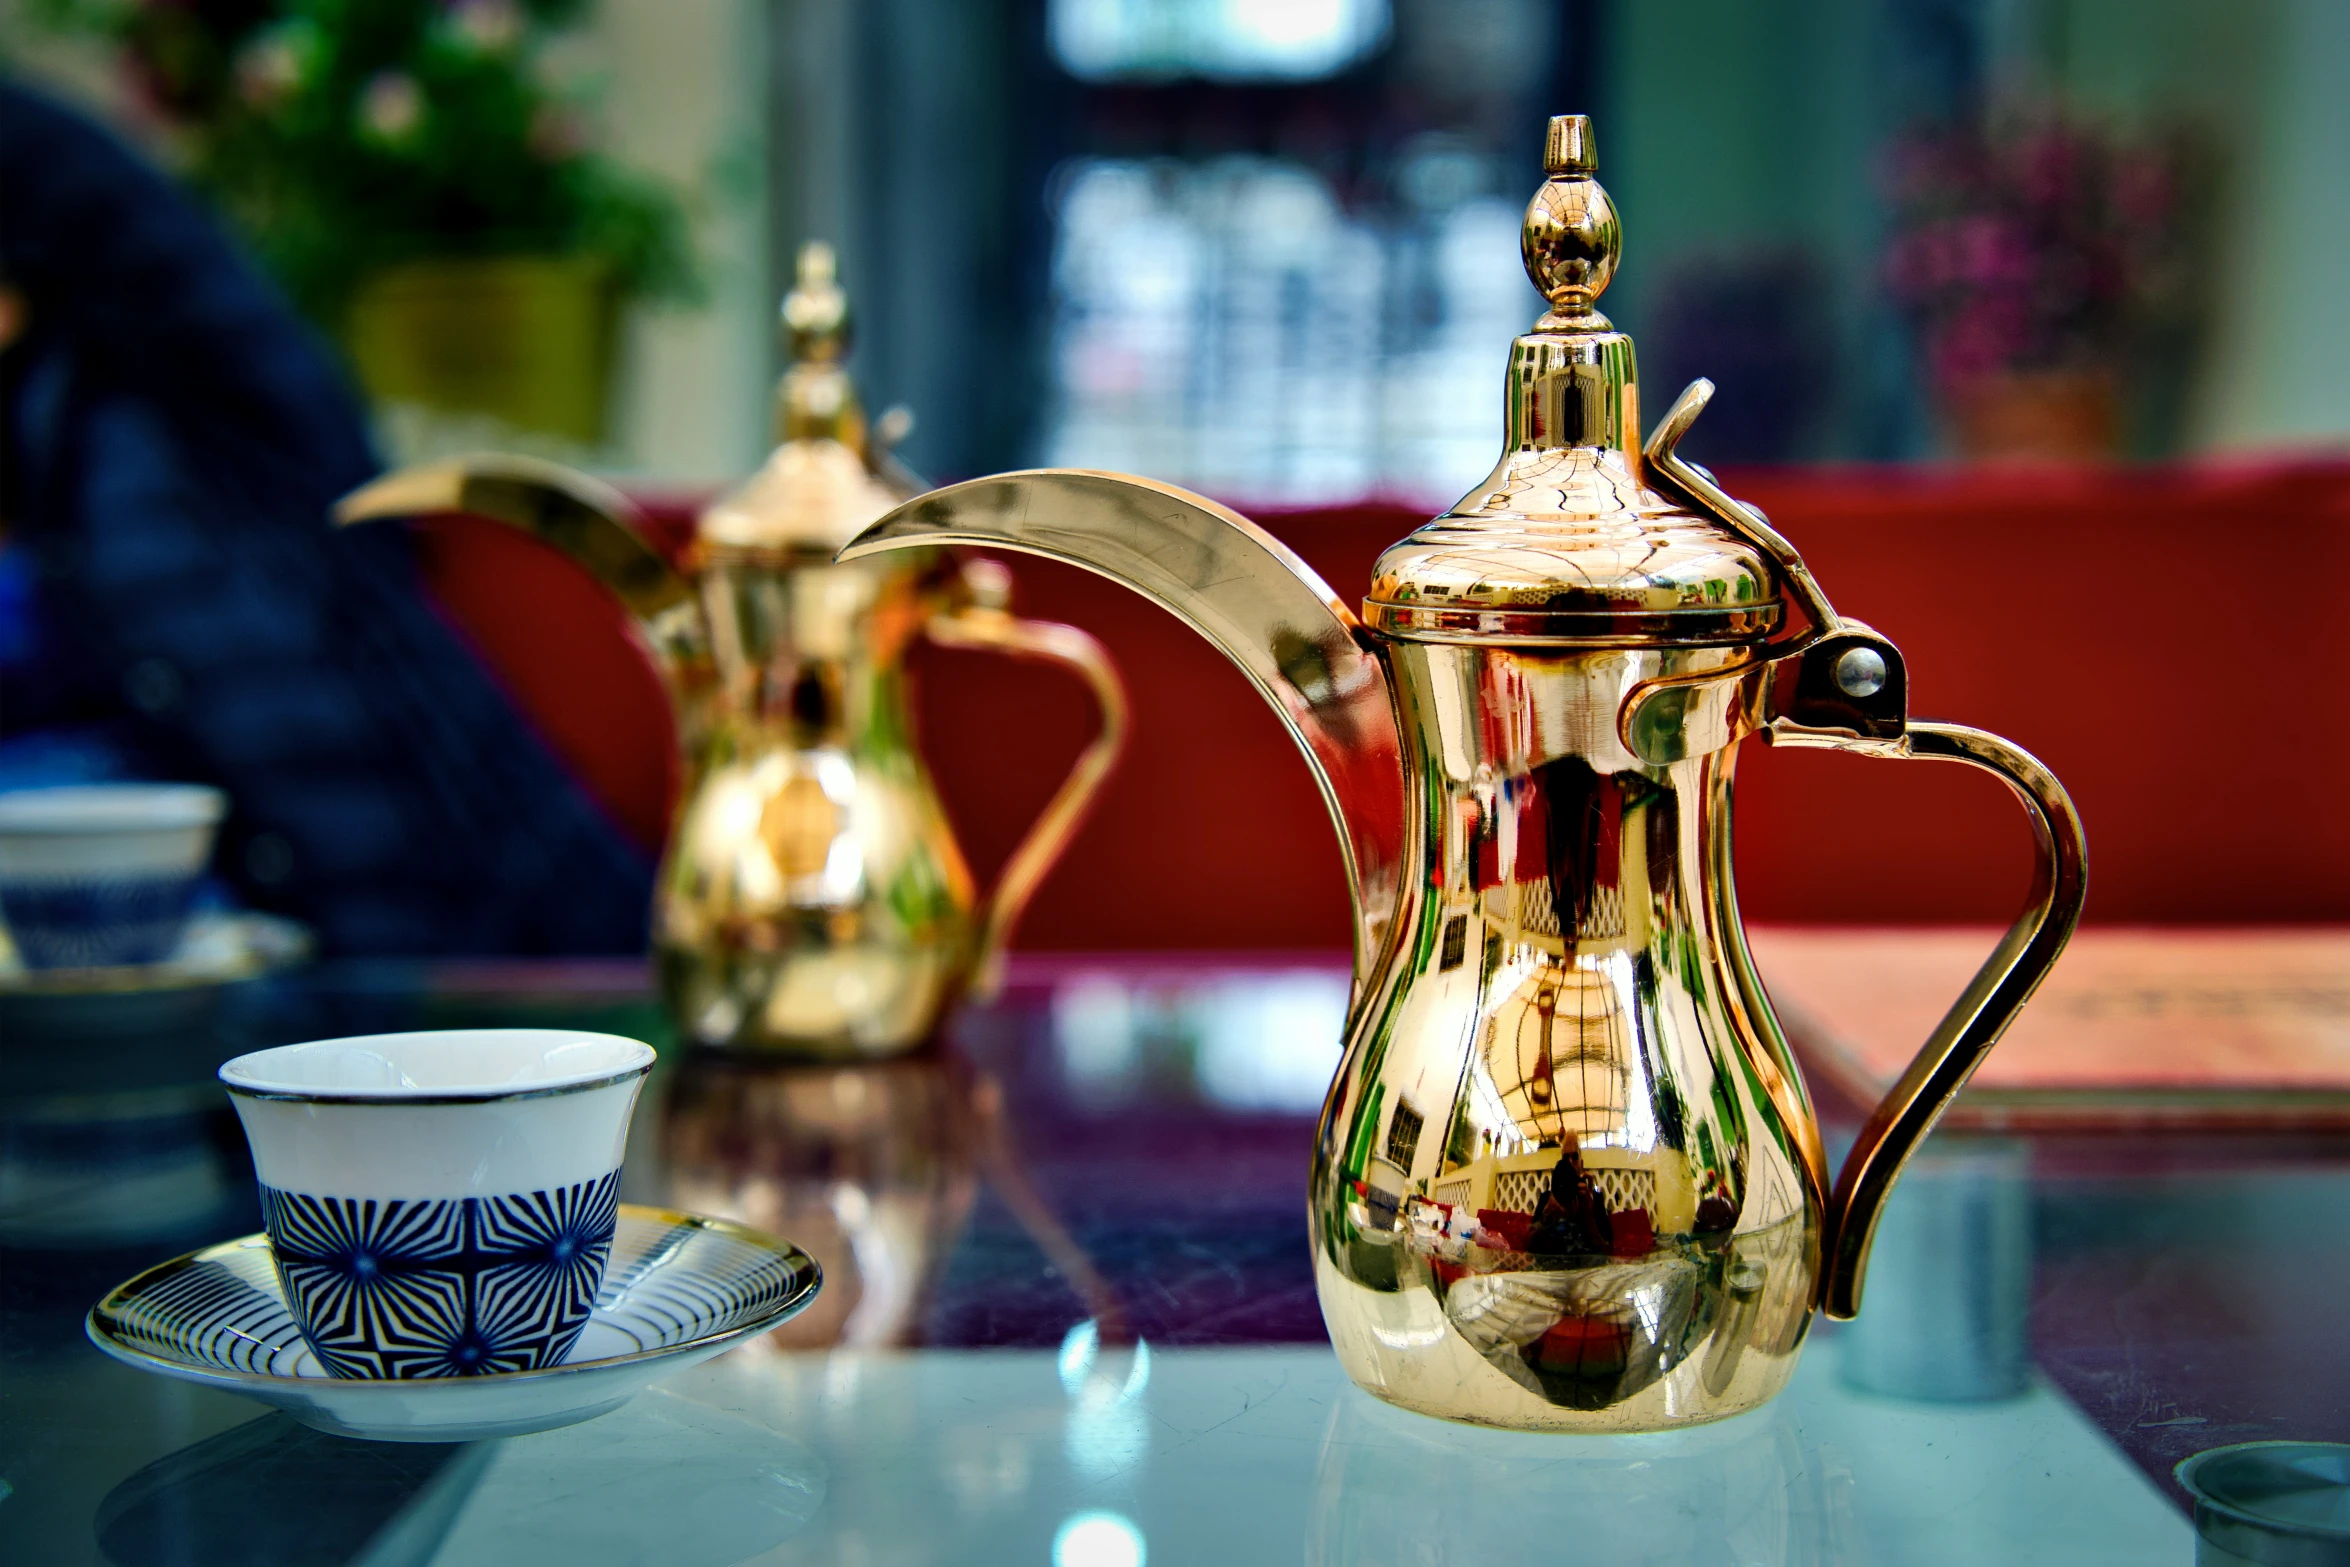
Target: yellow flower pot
526, 340
2036, 416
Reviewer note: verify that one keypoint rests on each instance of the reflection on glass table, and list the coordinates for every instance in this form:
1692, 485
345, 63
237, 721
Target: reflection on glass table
1070, 1319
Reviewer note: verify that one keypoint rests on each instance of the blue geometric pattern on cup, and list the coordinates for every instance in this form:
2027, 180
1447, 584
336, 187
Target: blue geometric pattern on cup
456, 1287
97, 921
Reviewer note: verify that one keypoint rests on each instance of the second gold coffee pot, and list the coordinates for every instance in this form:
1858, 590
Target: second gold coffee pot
1568, 1177
812, 900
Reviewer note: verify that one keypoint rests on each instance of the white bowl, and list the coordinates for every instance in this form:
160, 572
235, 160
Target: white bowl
101, 875
108, 830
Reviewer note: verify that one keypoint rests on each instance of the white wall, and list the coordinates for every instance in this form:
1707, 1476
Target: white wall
2280, 367
683, 98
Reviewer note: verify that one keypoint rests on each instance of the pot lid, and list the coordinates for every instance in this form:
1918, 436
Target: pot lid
828, 475
1565, 541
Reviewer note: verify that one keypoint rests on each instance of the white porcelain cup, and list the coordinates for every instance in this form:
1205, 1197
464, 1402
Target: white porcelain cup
100, 875
441, 1204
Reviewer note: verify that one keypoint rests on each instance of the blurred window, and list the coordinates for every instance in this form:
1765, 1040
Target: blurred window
1265, 1042
1222, 40
1232, 327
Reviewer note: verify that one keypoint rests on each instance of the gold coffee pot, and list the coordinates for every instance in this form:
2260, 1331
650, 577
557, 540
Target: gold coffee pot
812, 899
1568, 1177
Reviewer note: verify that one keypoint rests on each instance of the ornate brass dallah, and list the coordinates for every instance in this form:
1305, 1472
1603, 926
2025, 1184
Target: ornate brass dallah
1568, 1177
812, 899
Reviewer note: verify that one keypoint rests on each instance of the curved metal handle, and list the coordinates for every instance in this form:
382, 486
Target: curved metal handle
1689, 482
1246, 592
1842, 687
989, 626
2060, 881
584, 518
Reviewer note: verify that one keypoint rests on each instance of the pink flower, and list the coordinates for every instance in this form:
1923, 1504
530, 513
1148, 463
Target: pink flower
391, 107
1989, 251
557, 132
269, 70
492, 26
2143, 193
2032, 247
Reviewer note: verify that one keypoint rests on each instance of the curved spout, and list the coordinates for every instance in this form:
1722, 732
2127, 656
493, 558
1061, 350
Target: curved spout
585, 518
1243, 590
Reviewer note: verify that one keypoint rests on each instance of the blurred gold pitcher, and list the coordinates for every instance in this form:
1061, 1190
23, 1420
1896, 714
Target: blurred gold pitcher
1568, 1177
812, 899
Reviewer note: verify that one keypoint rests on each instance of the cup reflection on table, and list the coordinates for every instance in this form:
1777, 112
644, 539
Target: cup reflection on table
113, 1133
868, 1166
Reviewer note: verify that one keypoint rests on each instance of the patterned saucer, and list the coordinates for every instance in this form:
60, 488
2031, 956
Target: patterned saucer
220, 948
677, 1290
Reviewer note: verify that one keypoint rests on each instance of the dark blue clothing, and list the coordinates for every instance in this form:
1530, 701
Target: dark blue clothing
174, 594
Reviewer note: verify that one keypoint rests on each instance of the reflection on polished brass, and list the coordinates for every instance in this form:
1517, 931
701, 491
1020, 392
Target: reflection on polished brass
1568, 1178
812, 899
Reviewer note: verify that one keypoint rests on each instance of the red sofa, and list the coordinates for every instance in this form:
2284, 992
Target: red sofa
2167, 639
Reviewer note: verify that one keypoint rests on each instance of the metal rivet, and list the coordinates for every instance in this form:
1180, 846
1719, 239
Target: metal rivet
1860, 672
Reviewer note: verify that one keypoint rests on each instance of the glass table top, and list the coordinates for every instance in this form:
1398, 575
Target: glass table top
1069, 1318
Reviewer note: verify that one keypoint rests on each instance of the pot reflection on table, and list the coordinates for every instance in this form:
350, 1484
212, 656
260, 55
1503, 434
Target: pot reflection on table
869, 1166
1394, 1488
1950, 1292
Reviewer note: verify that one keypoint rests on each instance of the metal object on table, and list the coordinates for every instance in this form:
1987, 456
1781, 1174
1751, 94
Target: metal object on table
1568, 1178
2271, 1504
812, 900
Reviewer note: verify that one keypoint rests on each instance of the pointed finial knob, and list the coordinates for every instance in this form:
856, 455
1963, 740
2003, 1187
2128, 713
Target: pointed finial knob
815, 399
816, 311
1572, 238
1569, 149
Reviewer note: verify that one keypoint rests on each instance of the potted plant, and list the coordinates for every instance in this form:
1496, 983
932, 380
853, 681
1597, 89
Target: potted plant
2035, 258
421, 186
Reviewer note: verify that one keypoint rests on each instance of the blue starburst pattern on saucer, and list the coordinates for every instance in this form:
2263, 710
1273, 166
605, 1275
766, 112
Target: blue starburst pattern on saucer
674, 1282
463, 1287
